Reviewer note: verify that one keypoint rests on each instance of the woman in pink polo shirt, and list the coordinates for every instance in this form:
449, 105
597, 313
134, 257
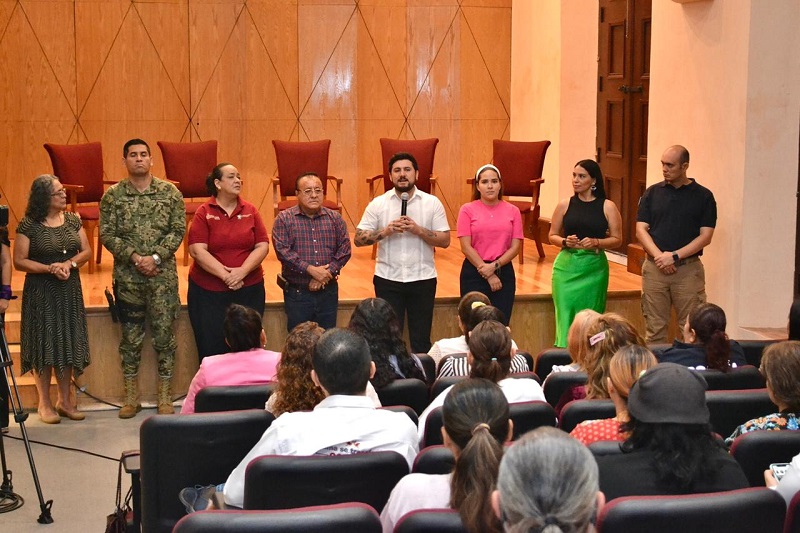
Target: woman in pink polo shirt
490, 232
247, 362
228, 241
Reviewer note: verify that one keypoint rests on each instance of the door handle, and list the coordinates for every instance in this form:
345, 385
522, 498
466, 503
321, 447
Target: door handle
625, 89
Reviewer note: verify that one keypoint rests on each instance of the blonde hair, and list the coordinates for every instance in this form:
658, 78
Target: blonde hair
609, 332
577, 340
627, 365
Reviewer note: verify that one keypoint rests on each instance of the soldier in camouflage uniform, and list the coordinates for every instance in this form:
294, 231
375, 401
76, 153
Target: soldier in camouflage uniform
142, 222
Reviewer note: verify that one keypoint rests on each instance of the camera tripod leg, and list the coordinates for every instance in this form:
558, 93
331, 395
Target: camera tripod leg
19, 416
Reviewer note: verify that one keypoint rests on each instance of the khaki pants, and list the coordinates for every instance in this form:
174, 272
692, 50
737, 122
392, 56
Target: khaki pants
660, 292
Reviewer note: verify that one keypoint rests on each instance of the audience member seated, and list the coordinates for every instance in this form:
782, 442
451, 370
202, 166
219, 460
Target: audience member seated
489, 356
789, 485
707, 345
345, 422
780, 366
578, 341
476, 424
295, 391
248, 363
671, 449
548, 483
375, 320
624, 369
607, 334
459, 366
458, 345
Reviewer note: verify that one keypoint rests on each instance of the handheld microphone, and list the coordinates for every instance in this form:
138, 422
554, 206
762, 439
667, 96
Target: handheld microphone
404, 206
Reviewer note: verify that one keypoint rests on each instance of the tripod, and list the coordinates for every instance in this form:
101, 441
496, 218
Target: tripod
6, 490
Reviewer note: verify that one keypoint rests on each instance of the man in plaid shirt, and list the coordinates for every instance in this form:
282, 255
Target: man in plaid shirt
312, 244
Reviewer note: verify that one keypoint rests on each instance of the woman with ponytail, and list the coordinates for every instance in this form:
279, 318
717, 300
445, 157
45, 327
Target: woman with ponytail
489, 357
707, 345
476, 425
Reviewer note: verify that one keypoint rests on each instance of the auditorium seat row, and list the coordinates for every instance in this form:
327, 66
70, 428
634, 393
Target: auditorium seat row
180, 451
728, 408
546, 359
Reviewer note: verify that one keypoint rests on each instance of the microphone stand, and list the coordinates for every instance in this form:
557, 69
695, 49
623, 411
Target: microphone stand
6, 489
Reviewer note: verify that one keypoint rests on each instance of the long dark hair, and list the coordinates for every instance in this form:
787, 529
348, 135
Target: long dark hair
490, 347
475, 415
682, 454
40, 196
375, 320
708, 322
591, 166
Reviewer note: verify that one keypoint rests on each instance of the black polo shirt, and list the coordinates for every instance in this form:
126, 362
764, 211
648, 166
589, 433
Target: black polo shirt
675, 215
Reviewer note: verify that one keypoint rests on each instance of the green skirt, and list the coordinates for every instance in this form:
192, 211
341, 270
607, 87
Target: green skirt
580, 281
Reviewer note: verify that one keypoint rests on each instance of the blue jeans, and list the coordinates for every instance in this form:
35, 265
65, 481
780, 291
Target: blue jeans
320, 306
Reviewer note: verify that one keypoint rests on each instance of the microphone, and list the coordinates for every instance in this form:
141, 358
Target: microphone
404, 208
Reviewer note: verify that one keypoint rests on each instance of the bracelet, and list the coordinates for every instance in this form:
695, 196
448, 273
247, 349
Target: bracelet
564, 243
5, 292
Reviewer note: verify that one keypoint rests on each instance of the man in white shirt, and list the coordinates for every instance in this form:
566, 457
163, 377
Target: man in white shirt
405, 274
345, 422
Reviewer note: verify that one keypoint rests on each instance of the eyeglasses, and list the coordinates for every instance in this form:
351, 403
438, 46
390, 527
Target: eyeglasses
62, 192
310, 192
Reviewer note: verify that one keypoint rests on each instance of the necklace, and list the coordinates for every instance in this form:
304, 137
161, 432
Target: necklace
59, 220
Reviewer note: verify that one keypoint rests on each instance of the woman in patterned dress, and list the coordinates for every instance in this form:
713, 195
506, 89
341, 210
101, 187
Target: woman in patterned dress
780, 365
50, 248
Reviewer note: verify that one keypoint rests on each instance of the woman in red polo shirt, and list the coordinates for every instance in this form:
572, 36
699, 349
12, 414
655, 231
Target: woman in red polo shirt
228, 241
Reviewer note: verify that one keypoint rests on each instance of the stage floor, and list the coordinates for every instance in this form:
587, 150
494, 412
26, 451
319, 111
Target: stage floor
355, 282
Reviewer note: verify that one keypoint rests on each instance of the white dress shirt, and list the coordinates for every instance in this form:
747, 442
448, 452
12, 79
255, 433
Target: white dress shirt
516, 390
338, 425
404, 257
413, 492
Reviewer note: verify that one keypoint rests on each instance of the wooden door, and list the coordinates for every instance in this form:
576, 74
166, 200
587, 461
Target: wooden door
623, 89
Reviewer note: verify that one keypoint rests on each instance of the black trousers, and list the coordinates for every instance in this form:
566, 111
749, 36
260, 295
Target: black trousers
415, 298
207, 313
503, 299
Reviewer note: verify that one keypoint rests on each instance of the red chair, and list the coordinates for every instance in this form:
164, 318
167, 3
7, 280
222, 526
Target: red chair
752, 509
792, 523
338, 518
188, 165
295, 158
423, 150
80, 169
521, 164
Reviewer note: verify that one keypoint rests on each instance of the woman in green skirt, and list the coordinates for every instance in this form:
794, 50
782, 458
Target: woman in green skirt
583, 225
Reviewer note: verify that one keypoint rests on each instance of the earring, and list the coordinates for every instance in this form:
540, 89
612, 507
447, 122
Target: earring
594, 187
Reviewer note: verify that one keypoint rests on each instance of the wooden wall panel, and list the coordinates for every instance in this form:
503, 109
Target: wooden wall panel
245, 73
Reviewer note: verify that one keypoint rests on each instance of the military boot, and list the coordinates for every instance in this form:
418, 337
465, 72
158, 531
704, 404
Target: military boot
165, 398
131, 405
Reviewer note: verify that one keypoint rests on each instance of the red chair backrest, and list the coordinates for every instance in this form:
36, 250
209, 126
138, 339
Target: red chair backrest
519, 163
423, 150
79, 164
189, 164
296, 158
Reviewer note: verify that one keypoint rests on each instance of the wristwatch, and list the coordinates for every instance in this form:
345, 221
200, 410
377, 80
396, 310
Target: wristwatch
157, 259
675, 257
73, 264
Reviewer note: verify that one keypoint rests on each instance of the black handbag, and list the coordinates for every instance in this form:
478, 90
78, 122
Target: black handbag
117, 522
